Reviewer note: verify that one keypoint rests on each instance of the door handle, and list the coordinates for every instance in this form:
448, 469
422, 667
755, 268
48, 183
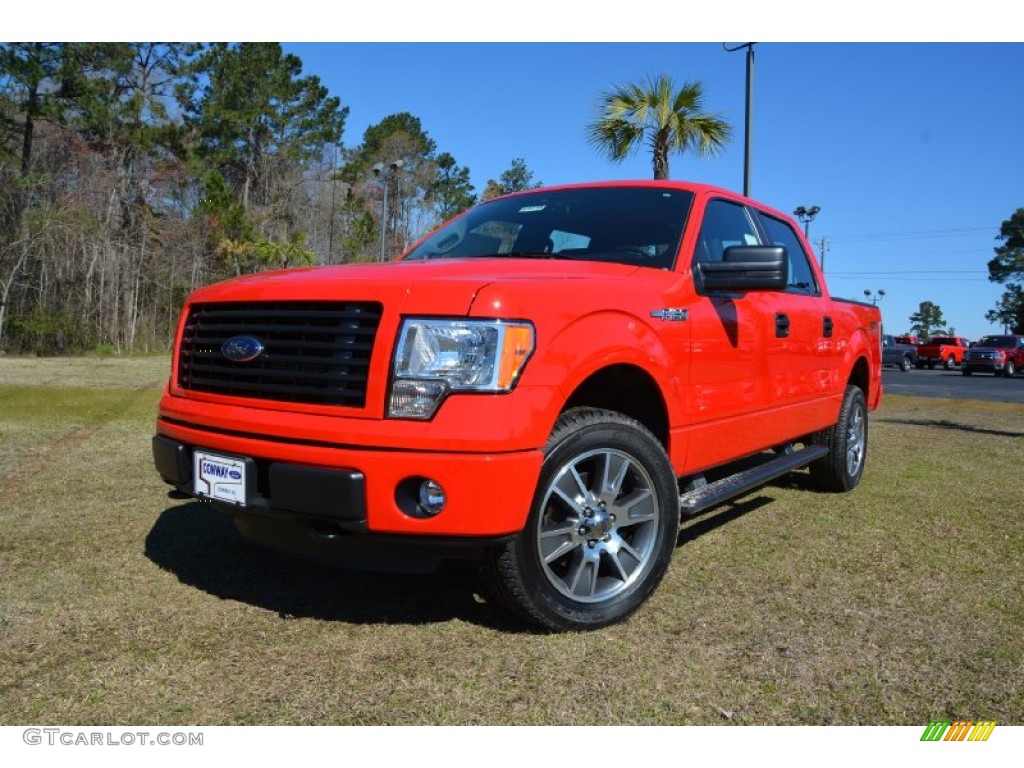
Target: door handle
781, 326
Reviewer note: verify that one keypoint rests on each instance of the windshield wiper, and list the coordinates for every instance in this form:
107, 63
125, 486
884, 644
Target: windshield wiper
517, 255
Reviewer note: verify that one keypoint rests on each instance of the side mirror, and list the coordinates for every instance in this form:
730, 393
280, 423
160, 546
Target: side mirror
746, 268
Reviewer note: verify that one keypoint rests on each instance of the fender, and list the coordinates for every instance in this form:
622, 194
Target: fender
862, 344
571, 356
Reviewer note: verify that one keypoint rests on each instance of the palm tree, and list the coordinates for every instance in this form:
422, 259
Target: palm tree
656, 114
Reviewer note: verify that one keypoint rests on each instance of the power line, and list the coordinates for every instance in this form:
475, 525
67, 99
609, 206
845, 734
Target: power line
909, 235
930, 252
912, 272
837, 276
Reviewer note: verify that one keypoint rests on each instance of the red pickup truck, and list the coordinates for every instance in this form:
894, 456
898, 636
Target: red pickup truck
999, 355
947, 351
546, 383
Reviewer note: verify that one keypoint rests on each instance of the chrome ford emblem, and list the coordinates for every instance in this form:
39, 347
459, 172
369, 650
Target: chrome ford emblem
241, 349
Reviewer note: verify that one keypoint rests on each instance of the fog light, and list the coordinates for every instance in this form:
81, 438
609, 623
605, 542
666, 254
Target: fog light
432, 497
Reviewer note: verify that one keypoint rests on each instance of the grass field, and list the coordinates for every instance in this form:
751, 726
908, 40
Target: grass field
900, 603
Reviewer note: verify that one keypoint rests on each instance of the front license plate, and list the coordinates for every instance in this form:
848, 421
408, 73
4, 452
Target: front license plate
218, 477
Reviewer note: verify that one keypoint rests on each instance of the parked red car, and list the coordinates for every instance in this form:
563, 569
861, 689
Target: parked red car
947, 351
999, 355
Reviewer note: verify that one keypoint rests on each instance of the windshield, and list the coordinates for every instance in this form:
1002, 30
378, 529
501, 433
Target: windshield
641, 226
1000, 342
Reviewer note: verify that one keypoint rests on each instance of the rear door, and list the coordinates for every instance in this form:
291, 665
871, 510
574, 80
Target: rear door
803, 370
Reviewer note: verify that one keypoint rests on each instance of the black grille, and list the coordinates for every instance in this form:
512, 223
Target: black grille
313, 352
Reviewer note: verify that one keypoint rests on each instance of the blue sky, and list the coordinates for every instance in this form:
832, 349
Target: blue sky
912, 151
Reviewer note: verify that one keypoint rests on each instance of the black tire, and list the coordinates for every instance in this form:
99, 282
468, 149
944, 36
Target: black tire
1010, 369
966, 371
931, 366
906, 365
847, 443
602, 527
919, 366
950, 363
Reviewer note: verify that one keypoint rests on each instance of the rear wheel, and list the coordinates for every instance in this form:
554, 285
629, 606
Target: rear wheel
601, 530
1010, 369
907, 364
847, 444
950, 363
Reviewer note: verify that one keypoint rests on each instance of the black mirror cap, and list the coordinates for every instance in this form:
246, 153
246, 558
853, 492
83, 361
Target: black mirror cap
746, 268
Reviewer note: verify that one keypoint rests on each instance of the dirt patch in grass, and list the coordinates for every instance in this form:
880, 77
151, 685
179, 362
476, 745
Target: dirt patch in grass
899, 603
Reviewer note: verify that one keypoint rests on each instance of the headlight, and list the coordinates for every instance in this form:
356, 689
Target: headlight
436, 357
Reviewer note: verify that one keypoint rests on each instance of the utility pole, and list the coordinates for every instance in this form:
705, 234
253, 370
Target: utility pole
823, 246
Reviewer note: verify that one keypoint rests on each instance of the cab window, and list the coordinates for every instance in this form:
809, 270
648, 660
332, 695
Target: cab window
725, 224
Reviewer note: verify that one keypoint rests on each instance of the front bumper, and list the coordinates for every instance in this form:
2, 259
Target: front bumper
360, 490
984, 366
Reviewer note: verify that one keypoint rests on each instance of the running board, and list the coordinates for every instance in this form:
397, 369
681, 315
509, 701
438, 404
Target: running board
697, 500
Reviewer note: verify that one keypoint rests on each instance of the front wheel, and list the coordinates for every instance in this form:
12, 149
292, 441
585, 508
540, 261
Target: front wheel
847, 444
907, 364
1010, 369
601, 529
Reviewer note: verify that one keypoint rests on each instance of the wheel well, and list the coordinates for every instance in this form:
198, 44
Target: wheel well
860, 377
628, 390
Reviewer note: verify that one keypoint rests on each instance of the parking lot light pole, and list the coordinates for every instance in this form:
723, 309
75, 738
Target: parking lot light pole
806, 216
874, 296
385, 172
748, 120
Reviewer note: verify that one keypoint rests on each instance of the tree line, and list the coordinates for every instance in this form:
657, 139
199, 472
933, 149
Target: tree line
133, 173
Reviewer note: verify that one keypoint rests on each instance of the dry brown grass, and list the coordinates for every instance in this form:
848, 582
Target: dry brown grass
897, 604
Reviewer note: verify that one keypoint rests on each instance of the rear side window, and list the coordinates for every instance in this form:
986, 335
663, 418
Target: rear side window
801, 276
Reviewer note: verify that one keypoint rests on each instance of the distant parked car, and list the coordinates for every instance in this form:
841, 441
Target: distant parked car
999, 355
947, 351
903, 356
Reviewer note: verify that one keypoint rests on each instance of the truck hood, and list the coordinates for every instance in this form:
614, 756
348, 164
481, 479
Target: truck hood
443, 286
